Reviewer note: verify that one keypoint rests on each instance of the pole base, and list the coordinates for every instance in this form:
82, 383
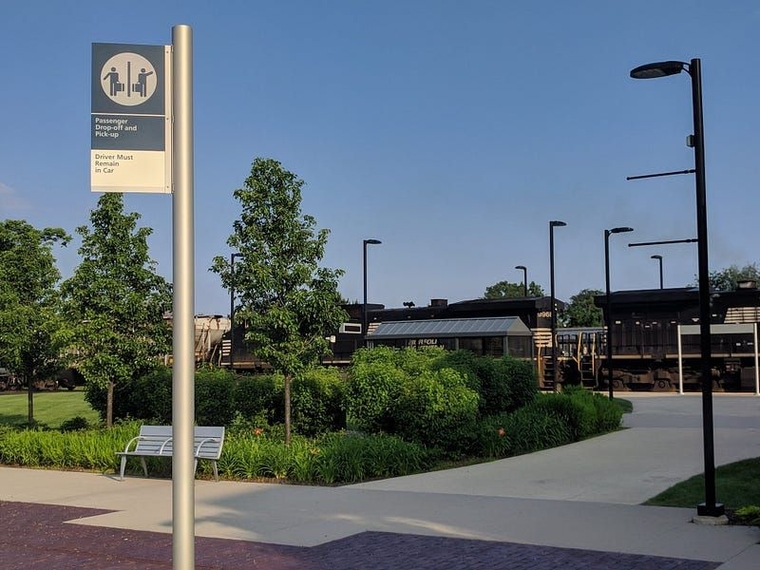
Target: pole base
716, 510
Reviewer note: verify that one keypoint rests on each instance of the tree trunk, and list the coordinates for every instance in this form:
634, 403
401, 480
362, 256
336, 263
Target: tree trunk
287, 409
30, 399
109, 405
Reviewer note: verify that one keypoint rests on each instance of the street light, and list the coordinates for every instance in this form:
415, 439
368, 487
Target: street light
232, 307
658, 258
553, 224
662, 69
525, 278
608, 311
366, 242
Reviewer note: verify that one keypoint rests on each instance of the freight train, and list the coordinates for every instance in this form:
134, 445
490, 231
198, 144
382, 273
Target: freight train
655, 337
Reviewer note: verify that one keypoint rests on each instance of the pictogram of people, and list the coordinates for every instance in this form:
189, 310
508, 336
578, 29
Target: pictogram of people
115, 85
141, 86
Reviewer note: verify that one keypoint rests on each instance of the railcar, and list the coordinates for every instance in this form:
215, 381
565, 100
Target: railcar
655, 339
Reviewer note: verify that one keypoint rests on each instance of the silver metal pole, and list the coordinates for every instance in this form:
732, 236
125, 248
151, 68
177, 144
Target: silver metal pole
183, 399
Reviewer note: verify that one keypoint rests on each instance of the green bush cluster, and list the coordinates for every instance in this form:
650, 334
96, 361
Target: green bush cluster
549, 421
329, 459
402, 392
90, 449
434, 397
221, 398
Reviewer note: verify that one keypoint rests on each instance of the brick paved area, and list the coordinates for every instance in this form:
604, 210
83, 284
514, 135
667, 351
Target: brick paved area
34, 536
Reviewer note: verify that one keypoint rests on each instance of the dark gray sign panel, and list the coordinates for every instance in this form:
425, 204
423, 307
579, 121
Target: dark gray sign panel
130, 150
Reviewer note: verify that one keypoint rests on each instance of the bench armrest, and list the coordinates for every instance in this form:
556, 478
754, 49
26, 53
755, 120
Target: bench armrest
206, 440
163, 445
131, 441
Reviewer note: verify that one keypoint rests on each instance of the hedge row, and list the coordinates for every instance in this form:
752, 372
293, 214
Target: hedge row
221, 398
334, 458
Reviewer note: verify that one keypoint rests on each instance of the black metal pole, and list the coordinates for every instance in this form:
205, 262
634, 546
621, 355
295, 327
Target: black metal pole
710, 507
364, 304
608, 311
659, 259
525, 278
365, 243
552, 225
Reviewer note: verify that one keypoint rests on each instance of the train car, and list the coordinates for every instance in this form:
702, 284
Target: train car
655, 339
480, 325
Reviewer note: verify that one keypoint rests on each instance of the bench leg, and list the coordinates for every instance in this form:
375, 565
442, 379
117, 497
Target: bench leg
144, 466
216, 472
123, 466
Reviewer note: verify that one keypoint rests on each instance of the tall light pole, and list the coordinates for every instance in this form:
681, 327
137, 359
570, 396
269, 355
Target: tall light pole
232, 308
553, 224
366, 242
525, 278
658, 258
710, 507
608, 307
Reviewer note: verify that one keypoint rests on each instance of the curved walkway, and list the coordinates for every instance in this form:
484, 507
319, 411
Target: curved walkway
572, 507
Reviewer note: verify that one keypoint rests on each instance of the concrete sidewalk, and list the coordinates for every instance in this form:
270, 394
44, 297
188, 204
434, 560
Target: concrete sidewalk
581, 496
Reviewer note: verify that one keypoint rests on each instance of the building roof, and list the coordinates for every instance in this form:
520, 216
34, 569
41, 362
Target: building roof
443, 328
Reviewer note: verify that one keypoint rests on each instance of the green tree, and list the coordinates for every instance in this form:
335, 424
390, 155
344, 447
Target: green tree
581, 312
115, 304
288, 302
726, 279
29, 320
508, 290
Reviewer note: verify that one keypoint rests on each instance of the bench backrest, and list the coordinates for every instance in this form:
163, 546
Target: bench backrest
207, 441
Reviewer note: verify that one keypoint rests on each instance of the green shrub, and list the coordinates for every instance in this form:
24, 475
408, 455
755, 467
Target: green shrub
317, 401
504, 384
373, 387
214, 397
260, 396
150, 397
525, 430
578, 414
522, 381
77, 423
436, 409
749, 515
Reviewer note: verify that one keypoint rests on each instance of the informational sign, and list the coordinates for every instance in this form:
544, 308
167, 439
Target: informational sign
131, 119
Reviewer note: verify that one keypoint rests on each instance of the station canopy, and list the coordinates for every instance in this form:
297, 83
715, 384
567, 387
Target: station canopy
451, 328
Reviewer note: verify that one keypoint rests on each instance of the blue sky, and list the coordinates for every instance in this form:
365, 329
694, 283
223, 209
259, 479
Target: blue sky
452, 131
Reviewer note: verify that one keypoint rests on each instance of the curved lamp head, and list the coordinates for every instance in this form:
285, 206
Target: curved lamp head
620, 230
521, 267
656, 257
372, 242
556, 224
659, 69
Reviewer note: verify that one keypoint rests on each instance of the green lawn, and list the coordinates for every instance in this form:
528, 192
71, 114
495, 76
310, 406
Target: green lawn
735, 486
50, 408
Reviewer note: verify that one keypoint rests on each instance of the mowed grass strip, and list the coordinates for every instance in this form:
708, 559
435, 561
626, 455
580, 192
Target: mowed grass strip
736, 485
50, 408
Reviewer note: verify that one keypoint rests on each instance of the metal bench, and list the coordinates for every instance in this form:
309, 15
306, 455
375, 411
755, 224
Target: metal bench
156, 441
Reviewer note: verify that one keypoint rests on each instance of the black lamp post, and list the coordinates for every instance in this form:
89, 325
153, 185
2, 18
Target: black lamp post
553, 224
232, 307
608, 311
525, 278
366, 242
662, 69
659, 258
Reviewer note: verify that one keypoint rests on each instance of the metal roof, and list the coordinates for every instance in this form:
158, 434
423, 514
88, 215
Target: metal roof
442, 328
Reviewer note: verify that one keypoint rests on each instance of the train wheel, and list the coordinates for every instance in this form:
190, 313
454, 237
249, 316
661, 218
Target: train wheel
662, 385
617, 384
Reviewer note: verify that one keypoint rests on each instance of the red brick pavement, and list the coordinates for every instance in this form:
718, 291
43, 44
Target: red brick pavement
34, 536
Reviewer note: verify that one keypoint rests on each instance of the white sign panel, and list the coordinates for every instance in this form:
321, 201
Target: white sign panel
131, 119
